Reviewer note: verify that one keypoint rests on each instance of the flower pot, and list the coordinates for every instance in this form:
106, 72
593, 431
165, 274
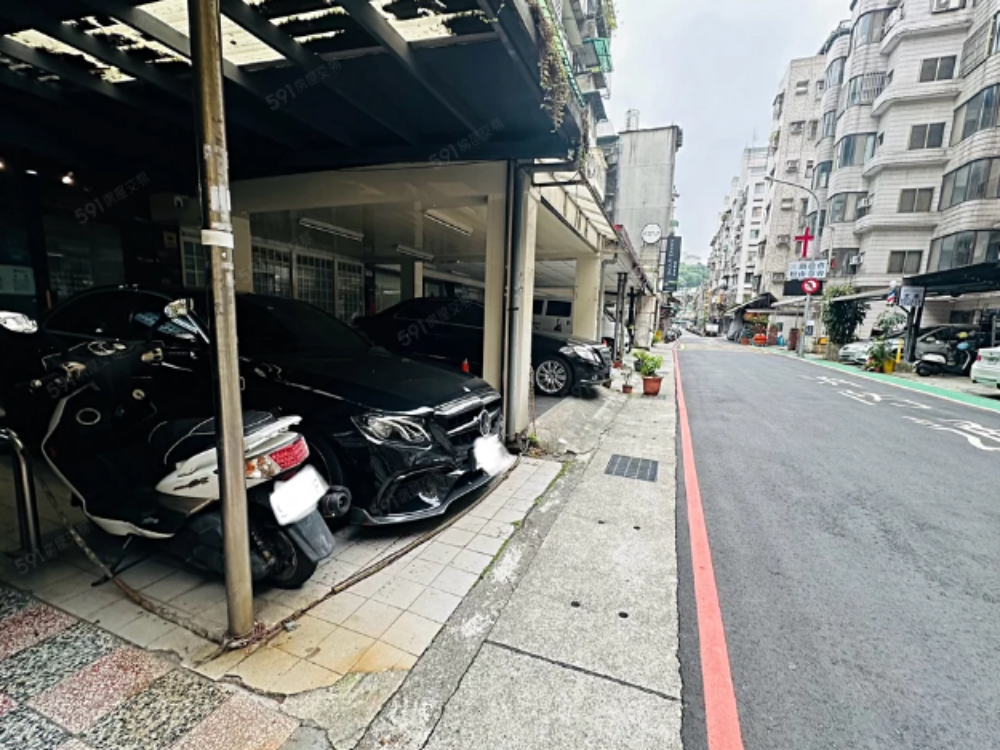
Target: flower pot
889, 366
651, 386
745, 341
618, 365
627, 389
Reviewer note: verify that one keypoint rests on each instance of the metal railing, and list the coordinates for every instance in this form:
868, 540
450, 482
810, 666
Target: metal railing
24, 492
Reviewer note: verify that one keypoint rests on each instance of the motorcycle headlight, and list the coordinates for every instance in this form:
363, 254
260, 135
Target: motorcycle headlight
583, 352
388, 428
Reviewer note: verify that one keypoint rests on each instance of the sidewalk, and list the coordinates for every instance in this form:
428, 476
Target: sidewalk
570, 641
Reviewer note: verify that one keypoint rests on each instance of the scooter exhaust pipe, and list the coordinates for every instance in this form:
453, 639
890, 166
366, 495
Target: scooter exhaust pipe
335, 503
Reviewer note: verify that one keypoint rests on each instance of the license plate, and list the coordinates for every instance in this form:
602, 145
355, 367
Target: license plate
295, 499
491, 456
993, 359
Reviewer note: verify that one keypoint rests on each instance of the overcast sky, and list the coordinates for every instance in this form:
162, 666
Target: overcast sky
712, 67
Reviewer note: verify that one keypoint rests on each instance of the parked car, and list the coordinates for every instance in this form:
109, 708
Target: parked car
406, 438
986, 368
556, 316
857, 353
932, 340
450, 332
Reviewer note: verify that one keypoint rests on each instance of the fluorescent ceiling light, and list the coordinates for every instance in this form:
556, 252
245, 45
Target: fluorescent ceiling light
438, 219
413, 252
322, 226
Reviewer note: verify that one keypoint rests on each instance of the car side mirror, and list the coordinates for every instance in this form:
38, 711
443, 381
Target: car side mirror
179, 308
16, 322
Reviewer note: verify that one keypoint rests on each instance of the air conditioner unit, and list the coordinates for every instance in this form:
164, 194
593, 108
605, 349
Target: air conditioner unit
854, 260
784, 239
792, 166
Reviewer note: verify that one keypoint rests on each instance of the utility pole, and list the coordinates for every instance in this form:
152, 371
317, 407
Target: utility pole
217, 237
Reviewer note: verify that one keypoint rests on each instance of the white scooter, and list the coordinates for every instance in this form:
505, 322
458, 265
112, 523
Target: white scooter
137, 474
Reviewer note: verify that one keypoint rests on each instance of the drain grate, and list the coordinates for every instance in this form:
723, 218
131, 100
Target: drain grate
631, 467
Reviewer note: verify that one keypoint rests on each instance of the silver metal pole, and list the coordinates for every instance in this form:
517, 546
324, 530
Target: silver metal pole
24, 493
217, 237
515, 300
805, 327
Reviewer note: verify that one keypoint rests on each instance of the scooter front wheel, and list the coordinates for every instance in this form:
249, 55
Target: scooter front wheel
292, 568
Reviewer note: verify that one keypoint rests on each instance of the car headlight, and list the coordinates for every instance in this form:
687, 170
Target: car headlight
583, 352
389, 428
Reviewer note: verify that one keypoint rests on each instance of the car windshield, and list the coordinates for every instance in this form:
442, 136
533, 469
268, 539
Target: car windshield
273, 324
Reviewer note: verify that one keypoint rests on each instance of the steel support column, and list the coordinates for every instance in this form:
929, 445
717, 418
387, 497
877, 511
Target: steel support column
217, 237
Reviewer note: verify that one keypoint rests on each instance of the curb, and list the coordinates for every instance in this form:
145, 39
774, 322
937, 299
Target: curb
966, 399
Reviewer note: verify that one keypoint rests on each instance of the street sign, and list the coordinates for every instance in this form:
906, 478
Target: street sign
810, 286
801, 270
651, 234
912, 296
672, 262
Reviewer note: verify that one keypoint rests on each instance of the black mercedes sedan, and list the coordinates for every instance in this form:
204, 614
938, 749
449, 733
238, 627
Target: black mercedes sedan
450, 332
404, 437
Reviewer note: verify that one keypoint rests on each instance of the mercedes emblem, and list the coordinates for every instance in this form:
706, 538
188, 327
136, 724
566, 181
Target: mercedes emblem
484, 423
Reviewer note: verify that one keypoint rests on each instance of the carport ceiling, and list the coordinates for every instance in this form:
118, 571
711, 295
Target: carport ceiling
310, 85
552, 278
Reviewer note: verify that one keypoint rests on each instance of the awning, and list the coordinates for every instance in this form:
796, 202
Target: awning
870, 294
760, 304
981, 277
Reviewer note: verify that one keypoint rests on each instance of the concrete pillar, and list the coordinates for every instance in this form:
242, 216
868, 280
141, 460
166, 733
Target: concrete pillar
496, 282
243, 253
411, 279
645, 320
586, 297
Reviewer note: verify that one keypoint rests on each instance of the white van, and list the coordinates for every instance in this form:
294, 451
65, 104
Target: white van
556, 316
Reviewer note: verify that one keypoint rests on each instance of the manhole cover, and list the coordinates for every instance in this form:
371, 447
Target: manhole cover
631, 467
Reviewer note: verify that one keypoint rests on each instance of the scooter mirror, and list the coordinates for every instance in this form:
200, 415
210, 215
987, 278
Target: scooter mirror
17, 322
179, 308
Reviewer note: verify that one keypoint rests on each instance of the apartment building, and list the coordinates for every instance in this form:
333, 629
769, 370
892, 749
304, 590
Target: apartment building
791, 167
907, 166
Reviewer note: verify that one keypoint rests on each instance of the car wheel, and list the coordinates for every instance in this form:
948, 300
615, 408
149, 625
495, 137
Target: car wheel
553, 376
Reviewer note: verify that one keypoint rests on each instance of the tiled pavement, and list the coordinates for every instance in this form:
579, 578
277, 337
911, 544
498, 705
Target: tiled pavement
66, 681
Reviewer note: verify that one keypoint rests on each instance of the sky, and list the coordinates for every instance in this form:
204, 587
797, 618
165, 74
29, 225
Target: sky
712, 67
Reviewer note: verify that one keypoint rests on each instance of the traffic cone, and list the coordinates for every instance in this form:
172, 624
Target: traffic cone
465, 367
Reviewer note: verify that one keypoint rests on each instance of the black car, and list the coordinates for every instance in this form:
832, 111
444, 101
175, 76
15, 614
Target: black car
451, 331
405, 438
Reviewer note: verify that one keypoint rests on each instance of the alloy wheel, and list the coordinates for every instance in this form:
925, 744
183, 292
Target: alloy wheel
551, 377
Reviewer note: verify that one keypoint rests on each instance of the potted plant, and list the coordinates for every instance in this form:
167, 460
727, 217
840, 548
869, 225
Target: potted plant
881, 358
651, 380
627, 372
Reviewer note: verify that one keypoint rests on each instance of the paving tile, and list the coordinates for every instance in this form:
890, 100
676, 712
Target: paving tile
488, 545
68, 588
241, 723
371, 584
303, 597
338, 608
335, 572
222, 665
372, 619
73, 745
23, 729
341, 650
456, 537
435, 605
421, 571
29, 626
480, 512
146, 573
92, 601
497, 529
7, 704
145, 629
173, 586
381, 657
158, 717
470, 523
399, 592
265, 665
505, 515
12, 601
359, 554
184, 643
81, 699
302, 677
46, 574
406, 662
304, 640
455, 581
439, 552
34, 670
412, 633
471, 562
118, 615
200, 597
271, 613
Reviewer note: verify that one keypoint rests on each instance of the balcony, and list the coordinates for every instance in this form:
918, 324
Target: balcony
882, 221
924, 157
898, 93
898, 27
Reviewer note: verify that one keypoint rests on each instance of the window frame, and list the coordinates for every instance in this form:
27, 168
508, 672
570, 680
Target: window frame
925, 140
915, 202
905, 265
867, 154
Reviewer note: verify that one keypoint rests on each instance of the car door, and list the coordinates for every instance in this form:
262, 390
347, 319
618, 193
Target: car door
422, 328
466, 332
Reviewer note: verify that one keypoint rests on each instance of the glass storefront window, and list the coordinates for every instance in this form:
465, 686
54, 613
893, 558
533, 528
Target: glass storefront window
81, 256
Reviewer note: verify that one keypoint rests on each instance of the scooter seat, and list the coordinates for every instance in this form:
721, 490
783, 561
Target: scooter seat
180, 439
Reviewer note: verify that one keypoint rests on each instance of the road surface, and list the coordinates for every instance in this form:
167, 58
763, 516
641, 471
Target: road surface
854, 529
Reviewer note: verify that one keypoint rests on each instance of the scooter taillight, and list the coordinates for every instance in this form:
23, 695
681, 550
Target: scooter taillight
291, 455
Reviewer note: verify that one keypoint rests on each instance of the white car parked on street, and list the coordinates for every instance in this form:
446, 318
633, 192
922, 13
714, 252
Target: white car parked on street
986, 369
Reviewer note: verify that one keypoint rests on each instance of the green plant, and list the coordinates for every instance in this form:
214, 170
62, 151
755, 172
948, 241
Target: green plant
627, 373
842, 318
650, 363
890, 321
658, 337
878, 355
554, 79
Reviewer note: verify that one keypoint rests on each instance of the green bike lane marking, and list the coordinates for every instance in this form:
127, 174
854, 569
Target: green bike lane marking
968, 399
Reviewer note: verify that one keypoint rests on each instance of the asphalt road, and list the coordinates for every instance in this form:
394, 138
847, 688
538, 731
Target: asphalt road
855, 533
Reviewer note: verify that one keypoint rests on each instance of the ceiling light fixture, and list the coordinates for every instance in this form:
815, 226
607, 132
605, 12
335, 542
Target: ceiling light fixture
67, 179
413, 252
3, 165
322, 226
438, 219
30, 171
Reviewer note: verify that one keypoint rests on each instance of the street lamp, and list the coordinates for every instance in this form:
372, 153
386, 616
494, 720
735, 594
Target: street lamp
805, 319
